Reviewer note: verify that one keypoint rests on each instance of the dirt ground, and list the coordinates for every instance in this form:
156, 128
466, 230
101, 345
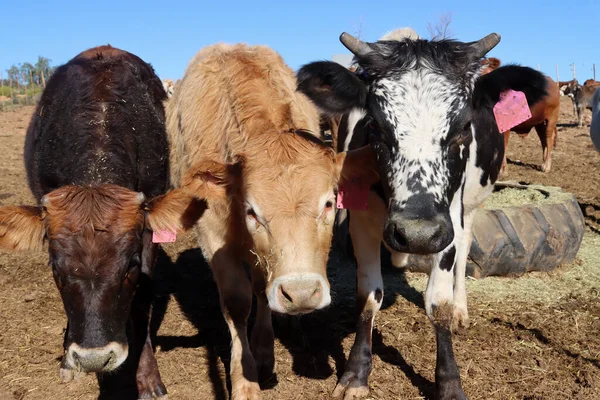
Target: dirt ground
533, 337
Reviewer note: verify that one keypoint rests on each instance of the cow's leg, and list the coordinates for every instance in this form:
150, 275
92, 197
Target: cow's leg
506, 138
547, 140
235, 291
262, 339
149, 382
439, 305
580, 112
463, 246
366, 233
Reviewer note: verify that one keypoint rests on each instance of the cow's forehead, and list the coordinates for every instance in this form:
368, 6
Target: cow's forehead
419, 105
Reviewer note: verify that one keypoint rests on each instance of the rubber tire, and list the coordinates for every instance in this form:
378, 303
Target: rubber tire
515, 240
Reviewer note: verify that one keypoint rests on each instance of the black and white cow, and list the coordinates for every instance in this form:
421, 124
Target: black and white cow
428, 114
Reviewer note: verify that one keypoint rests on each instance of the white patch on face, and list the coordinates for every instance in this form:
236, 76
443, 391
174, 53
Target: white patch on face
417, 105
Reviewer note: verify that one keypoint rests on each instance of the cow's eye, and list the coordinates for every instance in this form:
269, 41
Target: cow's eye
251, 214
467, 127
135, 261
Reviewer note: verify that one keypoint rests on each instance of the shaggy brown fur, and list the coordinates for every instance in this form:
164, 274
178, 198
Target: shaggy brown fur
71, 209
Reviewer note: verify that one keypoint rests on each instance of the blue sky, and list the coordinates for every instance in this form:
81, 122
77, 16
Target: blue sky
168, 34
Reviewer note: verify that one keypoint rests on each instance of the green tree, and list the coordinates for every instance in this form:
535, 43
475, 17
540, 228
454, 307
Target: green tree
43, 69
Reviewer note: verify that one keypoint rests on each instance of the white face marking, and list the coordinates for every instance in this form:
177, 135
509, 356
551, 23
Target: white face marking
418, 105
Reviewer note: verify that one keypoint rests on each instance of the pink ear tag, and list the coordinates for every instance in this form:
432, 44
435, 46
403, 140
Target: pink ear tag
511, 110
353, 195
164, 236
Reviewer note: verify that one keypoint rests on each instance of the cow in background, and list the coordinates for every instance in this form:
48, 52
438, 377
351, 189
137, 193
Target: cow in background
583, 96
489, 64
429, 116
239, 105
544, 117
97, 160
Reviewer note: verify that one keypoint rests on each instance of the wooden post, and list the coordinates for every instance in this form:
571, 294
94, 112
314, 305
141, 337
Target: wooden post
557, 80
539, 67
594, 71
574, 72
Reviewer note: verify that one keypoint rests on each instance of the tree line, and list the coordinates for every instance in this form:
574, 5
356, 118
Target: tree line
26, 79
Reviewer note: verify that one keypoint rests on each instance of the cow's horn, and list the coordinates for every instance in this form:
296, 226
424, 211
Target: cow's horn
356, 46
484, 45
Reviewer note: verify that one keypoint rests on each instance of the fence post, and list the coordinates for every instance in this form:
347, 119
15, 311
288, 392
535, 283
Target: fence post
557, 80
594, 71
539, 67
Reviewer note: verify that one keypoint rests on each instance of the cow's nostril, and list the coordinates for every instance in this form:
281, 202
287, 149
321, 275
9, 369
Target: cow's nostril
285, 295
400, 238
316, 292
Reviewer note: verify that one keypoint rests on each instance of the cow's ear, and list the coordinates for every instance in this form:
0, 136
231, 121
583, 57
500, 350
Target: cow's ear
359, 164
527, 80
180, 209
22, 228
333, 88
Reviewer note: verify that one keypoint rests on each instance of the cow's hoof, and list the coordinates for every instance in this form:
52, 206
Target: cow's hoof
546, 168
151, 388
351, 387
460, 319
265, 366
451, 392
67, 375
246, 391
164, 397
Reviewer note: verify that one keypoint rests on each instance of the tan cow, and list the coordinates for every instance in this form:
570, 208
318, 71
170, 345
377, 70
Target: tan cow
239, 105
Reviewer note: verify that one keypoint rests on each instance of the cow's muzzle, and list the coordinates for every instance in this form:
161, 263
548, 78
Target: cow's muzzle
97, 359
418, 230
299, 293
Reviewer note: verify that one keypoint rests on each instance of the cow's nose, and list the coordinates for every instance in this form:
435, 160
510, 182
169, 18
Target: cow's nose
299, 295
98, 359
420, 236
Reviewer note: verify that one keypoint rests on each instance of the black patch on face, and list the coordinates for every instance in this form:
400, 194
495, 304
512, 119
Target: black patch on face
447, 261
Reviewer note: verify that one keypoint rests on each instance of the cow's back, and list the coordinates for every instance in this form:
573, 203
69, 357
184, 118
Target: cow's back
100, 120
229, 95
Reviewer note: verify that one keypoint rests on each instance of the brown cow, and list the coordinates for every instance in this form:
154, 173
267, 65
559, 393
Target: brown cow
489, 64
238, 104
96, 148
544, 117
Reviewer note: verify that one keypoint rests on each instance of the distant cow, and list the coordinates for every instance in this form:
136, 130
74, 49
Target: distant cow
595, 126
238, 105
429, 117
95, 152
544, 117
583, 96
489, 64
591, 82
